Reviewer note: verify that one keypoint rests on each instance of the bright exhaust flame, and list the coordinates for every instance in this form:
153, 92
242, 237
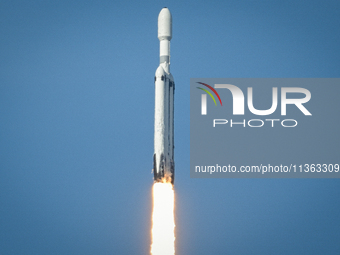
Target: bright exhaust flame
163, 221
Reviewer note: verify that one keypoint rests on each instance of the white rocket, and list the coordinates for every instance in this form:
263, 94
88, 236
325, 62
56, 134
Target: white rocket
163, 158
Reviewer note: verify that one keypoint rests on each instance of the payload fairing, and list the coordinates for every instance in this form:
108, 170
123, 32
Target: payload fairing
163, 158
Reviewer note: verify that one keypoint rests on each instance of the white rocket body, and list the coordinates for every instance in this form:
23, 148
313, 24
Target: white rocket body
163, 159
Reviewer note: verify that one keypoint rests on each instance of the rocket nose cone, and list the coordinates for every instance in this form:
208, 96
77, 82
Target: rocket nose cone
165, 10
164, 25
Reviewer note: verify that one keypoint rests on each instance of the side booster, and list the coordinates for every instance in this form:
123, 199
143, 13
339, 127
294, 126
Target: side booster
163, 158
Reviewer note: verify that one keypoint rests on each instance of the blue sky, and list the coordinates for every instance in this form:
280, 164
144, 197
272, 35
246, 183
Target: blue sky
76, 125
